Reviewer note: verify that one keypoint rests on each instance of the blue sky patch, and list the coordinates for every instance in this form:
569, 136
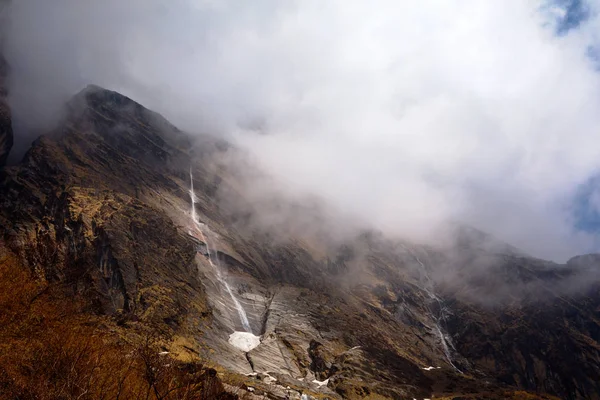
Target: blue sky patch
570, 14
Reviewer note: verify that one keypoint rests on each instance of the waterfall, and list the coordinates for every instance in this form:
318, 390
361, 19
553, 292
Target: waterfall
193, 199
439, 317
238, 305
215, 264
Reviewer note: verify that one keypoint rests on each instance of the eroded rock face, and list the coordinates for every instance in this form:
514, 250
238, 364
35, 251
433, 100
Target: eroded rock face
84, 209
103, 205
6, 134
548, 343
321, 360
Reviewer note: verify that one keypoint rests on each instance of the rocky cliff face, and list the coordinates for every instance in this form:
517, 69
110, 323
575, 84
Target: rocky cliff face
104, 205
6, 135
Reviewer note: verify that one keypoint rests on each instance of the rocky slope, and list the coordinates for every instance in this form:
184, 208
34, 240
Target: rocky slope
103, 205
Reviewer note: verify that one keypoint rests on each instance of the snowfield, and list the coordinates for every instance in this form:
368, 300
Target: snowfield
244, 341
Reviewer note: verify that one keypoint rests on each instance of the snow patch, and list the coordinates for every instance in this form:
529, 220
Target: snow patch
321, 383
269, 379
244, 341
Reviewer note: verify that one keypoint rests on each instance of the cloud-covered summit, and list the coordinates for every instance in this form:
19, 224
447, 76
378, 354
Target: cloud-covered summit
402, 114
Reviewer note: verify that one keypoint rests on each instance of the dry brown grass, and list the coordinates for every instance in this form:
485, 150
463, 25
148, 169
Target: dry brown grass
51, 349
522, 395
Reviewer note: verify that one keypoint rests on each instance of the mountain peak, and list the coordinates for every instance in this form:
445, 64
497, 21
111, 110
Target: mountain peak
100, 94
584, 261
94, 96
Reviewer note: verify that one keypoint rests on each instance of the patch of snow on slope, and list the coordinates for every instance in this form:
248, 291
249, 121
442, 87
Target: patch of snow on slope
321, 383
244, 341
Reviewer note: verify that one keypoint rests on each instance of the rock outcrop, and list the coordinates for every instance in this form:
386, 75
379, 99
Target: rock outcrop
82, 209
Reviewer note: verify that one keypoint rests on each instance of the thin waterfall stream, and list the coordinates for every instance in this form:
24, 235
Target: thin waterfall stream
438, 318
215, 264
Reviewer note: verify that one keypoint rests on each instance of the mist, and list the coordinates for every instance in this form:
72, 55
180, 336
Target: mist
400, 115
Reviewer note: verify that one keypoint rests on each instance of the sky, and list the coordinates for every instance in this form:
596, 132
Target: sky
402, 115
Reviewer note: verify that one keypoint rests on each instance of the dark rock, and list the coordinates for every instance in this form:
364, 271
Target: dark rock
321, 360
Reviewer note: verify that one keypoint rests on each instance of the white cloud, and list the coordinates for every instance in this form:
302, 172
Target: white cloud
400, 113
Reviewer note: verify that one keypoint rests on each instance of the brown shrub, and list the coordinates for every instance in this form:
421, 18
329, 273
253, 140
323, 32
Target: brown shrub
51, 349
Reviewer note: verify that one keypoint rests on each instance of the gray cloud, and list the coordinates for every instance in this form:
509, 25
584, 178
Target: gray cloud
400, 114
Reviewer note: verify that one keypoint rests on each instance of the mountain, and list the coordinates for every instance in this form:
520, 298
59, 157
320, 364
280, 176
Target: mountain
132, 218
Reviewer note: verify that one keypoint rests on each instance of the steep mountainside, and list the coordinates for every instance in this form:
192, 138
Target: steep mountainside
126, 211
